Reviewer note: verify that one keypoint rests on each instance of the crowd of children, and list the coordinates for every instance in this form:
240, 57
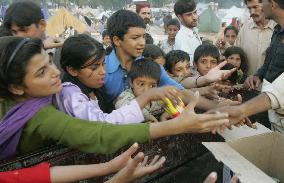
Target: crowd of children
107, 91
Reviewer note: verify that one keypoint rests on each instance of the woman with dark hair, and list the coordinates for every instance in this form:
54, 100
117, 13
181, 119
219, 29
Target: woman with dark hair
29, 120
237, 57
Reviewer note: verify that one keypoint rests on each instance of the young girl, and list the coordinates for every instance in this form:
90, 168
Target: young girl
28, 80
154, 52
230, 36
82, 59
237, 57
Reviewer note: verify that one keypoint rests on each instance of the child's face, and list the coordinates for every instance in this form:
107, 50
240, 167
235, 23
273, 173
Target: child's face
42, 78
106, 41
230, 37
235, 60
181, 68
161, 60
205, 64
31, 31
133, 42
172, 31
142, 84
93, 76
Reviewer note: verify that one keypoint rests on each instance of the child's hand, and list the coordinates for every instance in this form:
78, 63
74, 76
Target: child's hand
212, 178
216, 74
228, 102
220, 43
136, 168
152, 118
190, 122
51, 42
120, 161
165, 116
162, 93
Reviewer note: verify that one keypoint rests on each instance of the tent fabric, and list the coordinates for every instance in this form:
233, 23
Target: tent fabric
57, 23
234, 12
209, 22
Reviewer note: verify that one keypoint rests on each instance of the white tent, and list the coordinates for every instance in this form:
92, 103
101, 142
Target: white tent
233, 12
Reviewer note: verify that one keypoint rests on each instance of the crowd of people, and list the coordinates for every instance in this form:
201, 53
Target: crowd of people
99, 96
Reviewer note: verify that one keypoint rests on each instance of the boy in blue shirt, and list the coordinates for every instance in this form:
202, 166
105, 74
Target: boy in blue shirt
127, 33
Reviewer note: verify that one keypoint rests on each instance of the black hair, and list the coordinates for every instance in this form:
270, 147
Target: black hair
145, 68
16, 71
105, 33
184, 6
148, 38
234, 76
4, 31
108, 50
153, 51
22, 14
237, 50
119, 23
280, 3
233, 28
78, 49
224, 24
174, 22
206, 50
174, 57
246, 1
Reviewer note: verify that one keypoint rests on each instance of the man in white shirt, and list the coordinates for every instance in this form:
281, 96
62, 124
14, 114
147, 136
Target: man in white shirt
187, 39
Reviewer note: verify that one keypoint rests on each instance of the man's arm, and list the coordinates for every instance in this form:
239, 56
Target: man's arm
239, 112
256, 105
275, 91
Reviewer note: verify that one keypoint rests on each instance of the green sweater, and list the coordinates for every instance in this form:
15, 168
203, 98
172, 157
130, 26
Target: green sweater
50, 125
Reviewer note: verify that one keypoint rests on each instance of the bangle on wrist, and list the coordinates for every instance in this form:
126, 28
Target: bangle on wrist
196, 84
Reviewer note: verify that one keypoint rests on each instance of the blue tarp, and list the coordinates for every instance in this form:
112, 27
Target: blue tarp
2, 11
45, 12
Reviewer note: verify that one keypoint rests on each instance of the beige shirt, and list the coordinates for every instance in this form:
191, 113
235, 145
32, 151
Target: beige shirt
275, 92
255, 41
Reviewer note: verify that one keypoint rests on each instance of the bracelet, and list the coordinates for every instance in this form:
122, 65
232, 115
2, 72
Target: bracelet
196, 81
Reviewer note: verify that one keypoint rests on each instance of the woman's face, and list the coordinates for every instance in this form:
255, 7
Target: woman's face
235, 59
42, 77
93, 76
